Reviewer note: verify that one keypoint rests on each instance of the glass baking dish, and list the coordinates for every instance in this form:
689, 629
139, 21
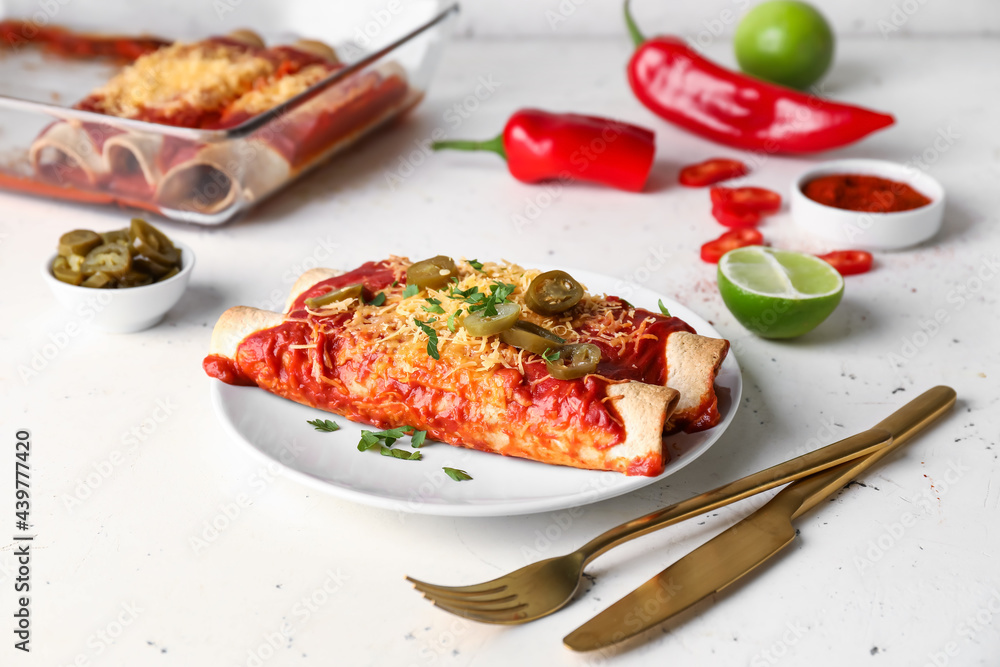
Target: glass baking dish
389, 48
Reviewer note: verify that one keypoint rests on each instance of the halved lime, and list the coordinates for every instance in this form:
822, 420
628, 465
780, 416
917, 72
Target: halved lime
778, 293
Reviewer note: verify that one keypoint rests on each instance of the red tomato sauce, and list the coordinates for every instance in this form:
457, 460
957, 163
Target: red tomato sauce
857, 192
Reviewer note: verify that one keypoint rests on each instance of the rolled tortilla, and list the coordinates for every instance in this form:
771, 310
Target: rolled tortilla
67, 153
645, 411
642, 410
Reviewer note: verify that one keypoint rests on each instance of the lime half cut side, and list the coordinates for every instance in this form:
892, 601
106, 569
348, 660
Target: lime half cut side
778, 293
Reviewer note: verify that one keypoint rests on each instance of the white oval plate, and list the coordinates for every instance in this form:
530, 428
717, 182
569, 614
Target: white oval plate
275, 429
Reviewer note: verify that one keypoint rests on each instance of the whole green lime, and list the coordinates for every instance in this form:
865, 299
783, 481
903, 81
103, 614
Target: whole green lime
786, 42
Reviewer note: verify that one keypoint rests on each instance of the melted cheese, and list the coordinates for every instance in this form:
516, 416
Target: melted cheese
202, 76
276, 90
391, 329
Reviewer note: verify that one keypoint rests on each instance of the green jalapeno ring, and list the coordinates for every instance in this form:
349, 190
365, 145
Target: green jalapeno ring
553, 292
575, 361
480, 324
529, 336
349, 292
433, 273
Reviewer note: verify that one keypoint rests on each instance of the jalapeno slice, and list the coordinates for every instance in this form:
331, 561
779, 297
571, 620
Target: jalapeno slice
480, 324
78, 242
433, 273
115, 236
110, 258
553, 292
135, 279
151, 267
350, 292
145, 239
62, 271
574, 361
531, 337
99, 280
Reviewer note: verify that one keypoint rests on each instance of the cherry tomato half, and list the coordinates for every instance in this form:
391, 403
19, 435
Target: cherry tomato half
760, 200
738, 238
711, 171
849, 262
735, 217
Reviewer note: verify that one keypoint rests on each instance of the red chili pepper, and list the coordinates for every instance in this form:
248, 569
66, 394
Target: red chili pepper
712, 251
541, 146
737, 110
760, 200
849, 262
711, 171
737, 218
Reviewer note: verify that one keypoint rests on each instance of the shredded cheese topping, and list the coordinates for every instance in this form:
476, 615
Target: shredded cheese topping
276, 90
202, 75
391, 329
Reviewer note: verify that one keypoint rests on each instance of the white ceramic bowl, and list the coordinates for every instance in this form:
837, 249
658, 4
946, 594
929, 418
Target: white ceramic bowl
870, 231
122, 310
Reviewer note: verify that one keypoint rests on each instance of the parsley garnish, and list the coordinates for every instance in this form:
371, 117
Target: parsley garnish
626, 303
401, 454
384, 440
411, 290
432, 337
476, 264
377, 300
417, 441
456, 474
435, 306
324, 425
488, 304
663, 309
394, 283
451, 320
470, 295
551, 358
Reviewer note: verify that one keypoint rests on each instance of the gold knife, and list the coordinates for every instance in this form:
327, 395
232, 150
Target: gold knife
743, 547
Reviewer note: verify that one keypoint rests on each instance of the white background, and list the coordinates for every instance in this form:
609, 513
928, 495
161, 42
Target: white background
857, 588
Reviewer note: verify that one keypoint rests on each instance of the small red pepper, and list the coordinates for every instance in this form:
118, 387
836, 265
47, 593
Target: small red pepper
712, 251
737, 110
849, 262
760, 200
711, 172
737, 218
542, 146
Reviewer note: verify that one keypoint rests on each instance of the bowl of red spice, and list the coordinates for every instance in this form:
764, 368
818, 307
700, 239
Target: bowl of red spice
868, 204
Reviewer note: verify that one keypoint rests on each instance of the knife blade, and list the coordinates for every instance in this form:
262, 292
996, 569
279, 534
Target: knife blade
745, 546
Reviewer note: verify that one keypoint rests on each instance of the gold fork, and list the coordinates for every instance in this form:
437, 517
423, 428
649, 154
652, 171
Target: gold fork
542, 588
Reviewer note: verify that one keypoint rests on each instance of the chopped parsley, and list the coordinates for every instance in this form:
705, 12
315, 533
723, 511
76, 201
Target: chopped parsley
551, 358
401, 454
411, 290
488, 303
663, 309
324, 425
384, 440
417, 440
451, 320
394, 283
456, 474
476, 264
435, 306
432, 336
377, 300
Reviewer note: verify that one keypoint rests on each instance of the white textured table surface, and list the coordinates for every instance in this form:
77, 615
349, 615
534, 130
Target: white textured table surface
131, 466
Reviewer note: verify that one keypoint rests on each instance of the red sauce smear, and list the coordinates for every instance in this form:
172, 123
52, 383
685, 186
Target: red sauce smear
857, 192
15, 33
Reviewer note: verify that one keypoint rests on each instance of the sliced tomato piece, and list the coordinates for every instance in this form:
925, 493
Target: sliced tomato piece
735, 217
712, 171
849, 262
760, 200
712, 251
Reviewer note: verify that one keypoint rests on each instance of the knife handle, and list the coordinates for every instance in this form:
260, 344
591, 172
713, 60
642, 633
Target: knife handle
900, 425
903, 424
